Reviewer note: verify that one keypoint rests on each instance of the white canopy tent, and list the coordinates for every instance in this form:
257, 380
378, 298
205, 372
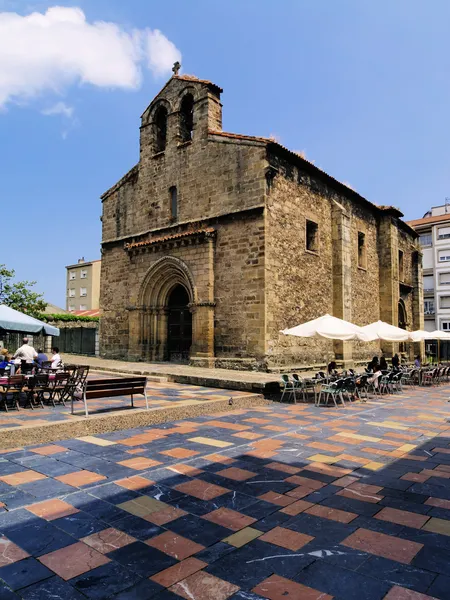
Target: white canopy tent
419, 335
17, 322
330, 328
384, 331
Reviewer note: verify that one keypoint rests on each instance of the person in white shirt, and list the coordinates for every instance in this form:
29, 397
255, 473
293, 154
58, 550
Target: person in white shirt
56, 358
25, 352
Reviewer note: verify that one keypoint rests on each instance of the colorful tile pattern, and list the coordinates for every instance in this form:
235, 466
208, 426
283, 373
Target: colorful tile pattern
275, 502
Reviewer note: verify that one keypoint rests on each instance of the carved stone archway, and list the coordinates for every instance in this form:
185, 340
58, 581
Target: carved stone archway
152, 312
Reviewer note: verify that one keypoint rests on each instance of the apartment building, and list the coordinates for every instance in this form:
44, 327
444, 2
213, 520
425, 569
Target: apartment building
434, 236
83, 285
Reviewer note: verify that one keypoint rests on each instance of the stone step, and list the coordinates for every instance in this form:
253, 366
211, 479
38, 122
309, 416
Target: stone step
154, 378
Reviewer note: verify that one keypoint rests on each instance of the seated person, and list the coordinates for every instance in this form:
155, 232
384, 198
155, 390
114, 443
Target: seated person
4, 358
56, 358
383, 363
417, 362
332, 368
41, 357
396, 362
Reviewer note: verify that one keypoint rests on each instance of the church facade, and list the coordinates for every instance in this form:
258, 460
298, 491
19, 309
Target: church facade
215, 241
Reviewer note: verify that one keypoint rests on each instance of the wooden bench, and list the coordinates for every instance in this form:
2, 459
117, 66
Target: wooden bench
117, 386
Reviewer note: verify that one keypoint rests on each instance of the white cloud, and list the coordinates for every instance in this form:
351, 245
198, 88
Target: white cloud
60, 108
49, 51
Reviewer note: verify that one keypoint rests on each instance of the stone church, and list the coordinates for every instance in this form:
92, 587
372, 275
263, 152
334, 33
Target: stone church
216, 241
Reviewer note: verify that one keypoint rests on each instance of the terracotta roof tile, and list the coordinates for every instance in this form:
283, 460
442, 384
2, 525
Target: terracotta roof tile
86, 313
429, 220
187, 77
167, 238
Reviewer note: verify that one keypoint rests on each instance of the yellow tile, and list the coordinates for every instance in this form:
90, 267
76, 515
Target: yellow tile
97, 441
142, 506
357, 436
243, 537
323, 458
407, 447
210, 442
438, 526
388, 425
374, 466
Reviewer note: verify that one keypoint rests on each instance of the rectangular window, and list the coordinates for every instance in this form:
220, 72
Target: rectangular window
428, 283
445, 325
71, 307
428, 306
83, 274
425, 239
83, 292
312, 235
444, 255
72, 275
362, 256
444, 278
401, 275
173, 202
83, 307
72, 293
443, 233
444, 302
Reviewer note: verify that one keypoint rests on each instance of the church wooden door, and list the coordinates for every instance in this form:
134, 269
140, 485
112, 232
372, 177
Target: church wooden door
179, 338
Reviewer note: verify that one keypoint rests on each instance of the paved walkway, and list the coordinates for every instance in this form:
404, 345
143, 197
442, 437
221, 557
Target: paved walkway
160, 395
272, 502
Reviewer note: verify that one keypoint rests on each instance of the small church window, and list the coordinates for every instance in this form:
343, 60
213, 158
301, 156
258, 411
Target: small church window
187, 118
401, 274
160, 129
362, 254
312, 235
173, 202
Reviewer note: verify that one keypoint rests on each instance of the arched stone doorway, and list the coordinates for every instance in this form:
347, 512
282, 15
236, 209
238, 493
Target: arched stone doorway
164, 320
179, 325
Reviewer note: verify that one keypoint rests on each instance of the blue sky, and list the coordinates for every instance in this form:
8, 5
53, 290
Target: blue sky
363, 88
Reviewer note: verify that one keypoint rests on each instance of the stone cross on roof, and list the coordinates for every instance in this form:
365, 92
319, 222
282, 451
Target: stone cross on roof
176, 67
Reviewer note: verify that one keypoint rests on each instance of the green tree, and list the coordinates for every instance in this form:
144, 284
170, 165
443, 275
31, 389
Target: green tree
19, 295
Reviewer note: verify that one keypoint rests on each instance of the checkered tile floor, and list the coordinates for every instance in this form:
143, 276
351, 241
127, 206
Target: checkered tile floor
273, 502
160, 395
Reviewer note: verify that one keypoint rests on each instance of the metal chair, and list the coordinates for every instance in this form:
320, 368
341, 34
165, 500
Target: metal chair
333, 391
288, 386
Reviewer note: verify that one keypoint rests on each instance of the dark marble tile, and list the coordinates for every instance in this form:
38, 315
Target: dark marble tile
40, 537
324, 529
16, 498
142, 559
440, 588
249, 565
137, 527
437, 491
276, 519
400, 504
46, 488
214, 552
366, 509
6, 592
24, 573
17, 518
259, 509
79, 524
378, 525
396, 573
341, 583
428, 538
54, 588
431, 559
143, 590
199, 530
105, 581
115, 494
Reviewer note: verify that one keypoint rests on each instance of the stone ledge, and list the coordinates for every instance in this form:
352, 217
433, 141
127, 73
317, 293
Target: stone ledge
80, 426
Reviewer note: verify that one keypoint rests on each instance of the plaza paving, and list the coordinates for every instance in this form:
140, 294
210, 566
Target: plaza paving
270, 502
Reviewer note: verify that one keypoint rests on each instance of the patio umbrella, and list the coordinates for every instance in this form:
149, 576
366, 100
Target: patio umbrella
420, 335
15, 321
328, 327
384, 331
